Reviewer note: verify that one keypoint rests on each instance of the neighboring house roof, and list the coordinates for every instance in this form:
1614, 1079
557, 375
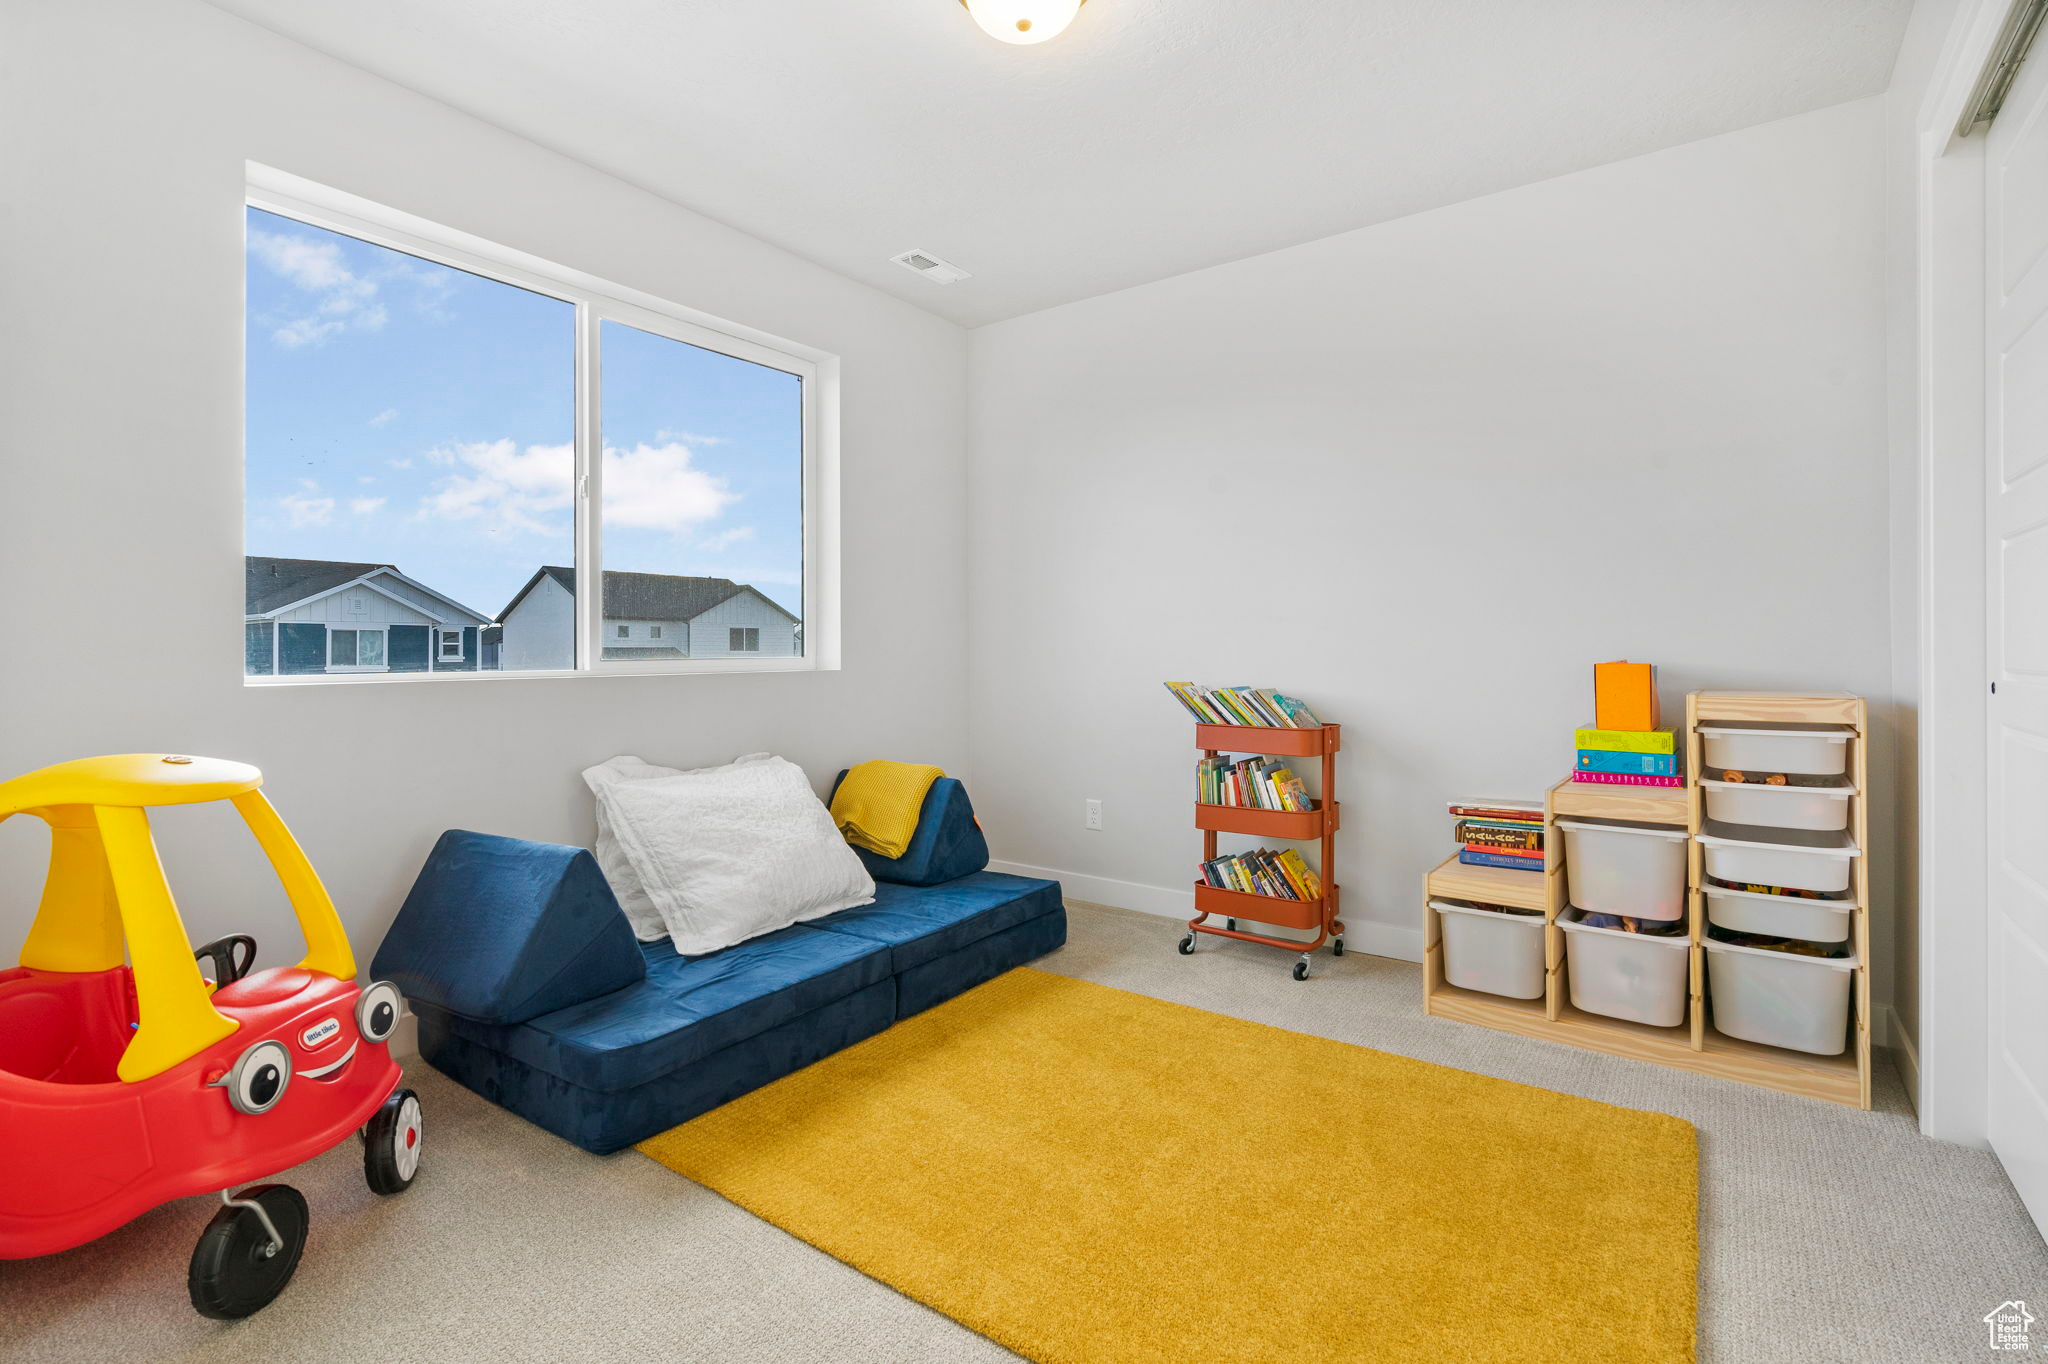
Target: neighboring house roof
636, 654
649, 596
273, 585
492, 634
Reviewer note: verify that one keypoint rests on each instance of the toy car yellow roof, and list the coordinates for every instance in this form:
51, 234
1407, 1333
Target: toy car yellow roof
130, 779
106, 899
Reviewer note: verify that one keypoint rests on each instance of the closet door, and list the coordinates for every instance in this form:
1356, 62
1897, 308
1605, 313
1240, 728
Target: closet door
2016, 521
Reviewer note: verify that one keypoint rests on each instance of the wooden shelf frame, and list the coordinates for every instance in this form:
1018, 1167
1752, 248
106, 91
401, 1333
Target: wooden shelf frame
1317, 826
1693, 1045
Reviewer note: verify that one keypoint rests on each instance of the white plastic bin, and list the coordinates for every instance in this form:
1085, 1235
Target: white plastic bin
1778, 807
1625, 869
1780, 998
1781, 916
1802, 859
1484, 949
1626, 975
1767, 748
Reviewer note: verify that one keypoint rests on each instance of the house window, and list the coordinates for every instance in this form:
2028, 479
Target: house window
355, 648
692, 456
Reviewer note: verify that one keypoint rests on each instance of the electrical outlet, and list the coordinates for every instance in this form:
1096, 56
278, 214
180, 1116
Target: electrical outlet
1094, 816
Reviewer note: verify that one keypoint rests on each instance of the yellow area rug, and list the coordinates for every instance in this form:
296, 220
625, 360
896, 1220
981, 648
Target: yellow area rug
1090, 1176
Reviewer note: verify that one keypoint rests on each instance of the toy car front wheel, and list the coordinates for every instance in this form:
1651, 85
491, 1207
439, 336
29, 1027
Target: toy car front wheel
236, 1267
391, 1144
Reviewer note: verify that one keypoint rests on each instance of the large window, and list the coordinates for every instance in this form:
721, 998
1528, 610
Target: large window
462, 462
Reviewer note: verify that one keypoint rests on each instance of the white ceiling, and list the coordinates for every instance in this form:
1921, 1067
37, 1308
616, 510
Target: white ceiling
1154, 137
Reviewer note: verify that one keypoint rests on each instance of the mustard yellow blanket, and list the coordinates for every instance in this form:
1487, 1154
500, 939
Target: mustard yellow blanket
876, 807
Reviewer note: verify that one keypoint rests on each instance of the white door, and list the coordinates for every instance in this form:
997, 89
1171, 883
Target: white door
2016, 479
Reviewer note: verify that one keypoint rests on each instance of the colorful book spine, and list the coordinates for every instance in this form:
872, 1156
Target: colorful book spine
1531, 856
1626, 779
1628, 740
1641, 764
1507, 840
1473, 858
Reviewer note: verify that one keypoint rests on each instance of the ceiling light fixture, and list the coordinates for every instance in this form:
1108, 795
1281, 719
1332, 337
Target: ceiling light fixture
1023, 21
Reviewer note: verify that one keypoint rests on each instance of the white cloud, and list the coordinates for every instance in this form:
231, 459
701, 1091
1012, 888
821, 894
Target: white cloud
399, 463
725, 539
385, 418
307, 507
647, 487
688, 437
341, 299
363, 506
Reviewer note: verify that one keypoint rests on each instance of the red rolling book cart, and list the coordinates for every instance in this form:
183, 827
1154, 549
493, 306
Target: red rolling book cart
1318, 826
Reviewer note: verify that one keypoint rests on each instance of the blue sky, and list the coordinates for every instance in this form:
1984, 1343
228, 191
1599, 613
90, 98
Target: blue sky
403, 412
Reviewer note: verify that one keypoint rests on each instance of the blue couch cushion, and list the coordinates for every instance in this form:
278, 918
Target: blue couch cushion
948, 843
502, 930
687, 1007
918, 923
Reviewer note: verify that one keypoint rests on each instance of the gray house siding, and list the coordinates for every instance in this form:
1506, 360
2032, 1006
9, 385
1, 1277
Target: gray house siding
256, 640
711, 633
301, 648
407, 648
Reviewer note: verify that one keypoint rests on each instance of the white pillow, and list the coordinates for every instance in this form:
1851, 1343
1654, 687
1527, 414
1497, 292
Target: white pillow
730, 853
611, 858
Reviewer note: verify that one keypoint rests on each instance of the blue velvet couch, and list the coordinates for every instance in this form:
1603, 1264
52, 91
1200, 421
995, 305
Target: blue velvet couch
531, 990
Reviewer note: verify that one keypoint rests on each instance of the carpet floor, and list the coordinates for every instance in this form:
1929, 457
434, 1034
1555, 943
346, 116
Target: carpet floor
1825, 1234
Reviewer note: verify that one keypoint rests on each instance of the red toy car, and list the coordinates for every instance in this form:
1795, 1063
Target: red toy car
129, 1079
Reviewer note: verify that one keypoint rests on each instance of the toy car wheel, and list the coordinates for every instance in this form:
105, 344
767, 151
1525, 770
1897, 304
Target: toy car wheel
236, 1268
391, 1144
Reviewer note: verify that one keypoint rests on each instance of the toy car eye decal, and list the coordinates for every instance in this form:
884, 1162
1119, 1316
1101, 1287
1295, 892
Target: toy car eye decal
377, 1011
259, 1077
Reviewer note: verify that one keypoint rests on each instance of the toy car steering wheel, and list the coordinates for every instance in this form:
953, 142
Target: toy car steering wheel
231, 957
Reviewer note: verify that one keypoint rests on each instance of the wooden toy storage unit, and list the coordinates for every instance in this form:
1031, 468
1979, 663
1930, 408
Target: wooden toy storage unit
1318, 825
1694, 1044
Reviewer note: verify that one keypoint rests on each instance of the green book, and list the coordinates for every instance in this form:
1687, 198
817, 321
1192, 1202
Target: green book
1629, 740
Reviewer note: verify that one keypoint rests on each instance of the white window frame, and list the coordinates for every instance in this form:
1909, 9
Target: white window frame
598, 301
355, 669
442, 634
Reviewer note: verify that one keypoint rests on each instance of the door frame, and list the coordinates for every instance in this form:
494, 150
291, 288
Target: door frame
1947, 1063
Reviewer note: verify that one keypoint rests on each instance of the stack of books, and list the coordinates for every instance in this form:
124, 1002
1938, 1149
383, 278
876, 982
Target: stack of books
1251, 707
1628, 757
1283, 876
1255, 783
1624, 745
1499, 833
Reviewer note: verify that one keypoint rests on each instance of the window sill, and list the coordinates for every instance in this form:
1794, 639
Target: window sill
681, 668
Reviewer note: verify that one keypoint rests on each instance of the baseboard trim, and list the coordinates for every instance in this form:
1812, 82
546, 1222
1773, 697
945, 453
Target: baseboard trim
1904, 1054
1360, 935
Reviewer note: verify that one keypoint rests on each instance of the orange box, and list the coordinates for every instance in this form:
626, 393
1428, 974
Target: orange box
1625, 696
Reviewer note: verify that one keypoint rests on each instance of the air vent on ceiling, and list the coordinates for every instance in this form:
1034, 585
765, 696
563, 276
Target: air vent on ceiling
930, 266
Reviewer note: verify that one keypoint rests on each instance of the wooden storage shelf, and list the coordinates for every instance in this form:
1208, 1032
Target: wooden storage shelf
1693, 1045
1259, 909
1301, 826
1297, 825
1280, 743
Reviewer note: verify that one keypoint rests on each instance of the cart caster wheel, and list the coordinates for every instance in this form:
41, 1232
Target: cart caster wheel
1336, 947
236, 1268
1301, 969
391, 1144
1230, 924
1187, 945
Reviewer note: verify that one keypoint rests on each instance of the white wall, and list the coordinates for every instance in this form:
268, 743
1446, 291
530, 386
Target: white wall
1423, 475
128, 126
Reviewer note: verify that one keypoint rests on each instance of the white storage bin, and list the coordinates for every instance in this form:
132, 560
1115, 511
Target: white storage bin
1778, 807
1501, 954
1803, 859
1766, 748
1625, 869
1781, 916
1780, 998
1626, 975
